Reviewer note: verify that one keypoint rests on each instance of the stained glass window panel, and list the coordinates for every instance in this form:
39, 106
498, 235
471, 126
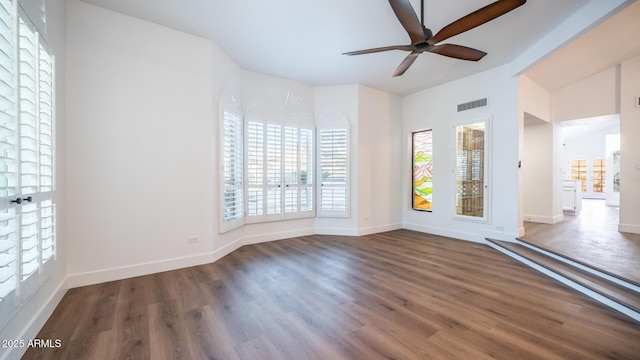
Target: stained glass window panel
422, 170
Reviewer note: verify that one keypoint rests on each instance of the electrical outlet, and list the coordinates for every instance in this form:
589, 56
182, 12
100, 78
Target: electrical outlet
192, 239
500, 228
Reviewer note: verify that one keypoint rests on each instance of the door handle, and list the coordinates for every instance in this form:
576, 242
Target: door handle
19, 200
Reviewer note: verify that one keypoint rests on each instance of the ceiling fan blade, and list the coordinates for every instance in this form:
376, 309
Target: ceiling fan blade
409, 20
386, 48
476, 18
404, 65
457, 51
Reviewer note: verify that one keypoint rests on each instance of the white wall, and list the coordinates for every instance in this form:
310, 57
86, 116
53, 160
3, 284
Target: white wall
380, 159
593, 96
436, 108
630, 147
30, 317
541, 155
140, 149
537, 168
534, 99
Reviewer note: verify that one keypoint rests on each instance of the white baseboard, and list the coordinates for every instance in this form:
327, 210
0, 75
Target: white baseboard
337, 231
628, 228
544, 219
478, 237
124, 272
378, 229
260, 238
444, 232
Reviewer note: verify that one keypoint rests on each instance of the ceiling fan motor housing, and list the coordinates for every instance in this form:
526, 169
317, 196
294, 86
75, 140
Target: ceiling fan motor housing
428, 34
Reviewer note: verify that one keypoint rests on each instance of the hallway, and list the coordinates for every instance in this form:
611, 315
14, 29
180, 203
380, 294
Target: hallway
591, 238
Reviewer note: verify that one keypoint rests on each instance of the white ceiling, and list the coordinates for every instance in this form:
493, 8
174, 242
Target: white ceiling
303, 40
603, 47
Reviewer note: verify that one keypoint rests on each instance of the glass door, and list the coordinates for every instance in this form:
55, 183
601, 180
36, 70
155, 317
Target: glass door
592, 174
471, 170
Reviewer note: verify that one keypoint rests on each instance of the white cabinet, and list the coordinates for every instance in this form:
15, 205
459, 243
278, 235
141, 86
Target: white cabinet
571, 196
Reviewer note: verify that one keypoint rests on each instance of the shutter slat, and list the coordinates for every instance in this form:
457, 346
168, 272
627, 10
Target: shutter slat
334, 172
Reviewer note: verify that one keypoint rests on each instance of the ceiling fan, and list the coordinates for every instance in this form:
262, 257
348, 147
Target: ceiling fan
422, 39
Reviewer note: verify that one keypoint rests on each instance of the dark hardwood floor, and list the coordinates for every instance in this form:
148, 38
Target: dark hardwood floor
394, 295
592, 238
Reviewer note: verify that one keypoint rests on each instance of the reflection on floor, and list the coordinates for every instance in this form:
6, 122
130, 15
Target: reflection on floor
593, 238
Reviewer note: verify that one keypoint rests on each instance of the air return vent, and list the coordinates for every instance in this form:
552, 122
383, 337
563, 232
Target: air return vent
472, 104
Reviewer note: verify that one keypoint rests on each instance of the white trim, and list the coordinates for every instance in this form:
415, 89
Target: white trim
378, 229
498, 235
337, 231
261, 238
229, 103
544, 219
125, 272
629, 228
582, 267
488, 157
445, 232
572, 284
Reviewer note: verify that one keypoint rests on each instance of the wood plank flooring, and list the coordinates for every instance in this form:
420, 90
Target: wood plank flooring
591, 238
394, 295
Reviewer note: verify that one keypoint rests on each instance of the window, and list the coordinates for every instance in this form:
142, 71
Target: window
422, 197
471, 170
231, 150
27, 208
279, 171
333, 166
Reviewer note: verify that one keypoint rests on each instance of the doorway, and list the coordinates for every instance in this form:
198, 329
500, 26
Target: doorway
590, 153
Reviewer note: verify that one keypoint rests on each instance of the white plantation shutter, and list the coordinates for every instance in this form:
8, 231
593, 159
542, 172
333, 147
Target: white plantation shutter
279, 159
255, 168
28, 99
27, 209
333, 168
291, 169
273, 169
45, 110
232, 209
306, 170
8, 161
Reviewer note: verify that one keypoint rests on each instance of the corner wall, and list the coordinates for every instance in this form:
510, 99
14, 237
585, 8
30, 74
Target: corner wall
375, 119
380, 159
630, 147
140, 144
541, 175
